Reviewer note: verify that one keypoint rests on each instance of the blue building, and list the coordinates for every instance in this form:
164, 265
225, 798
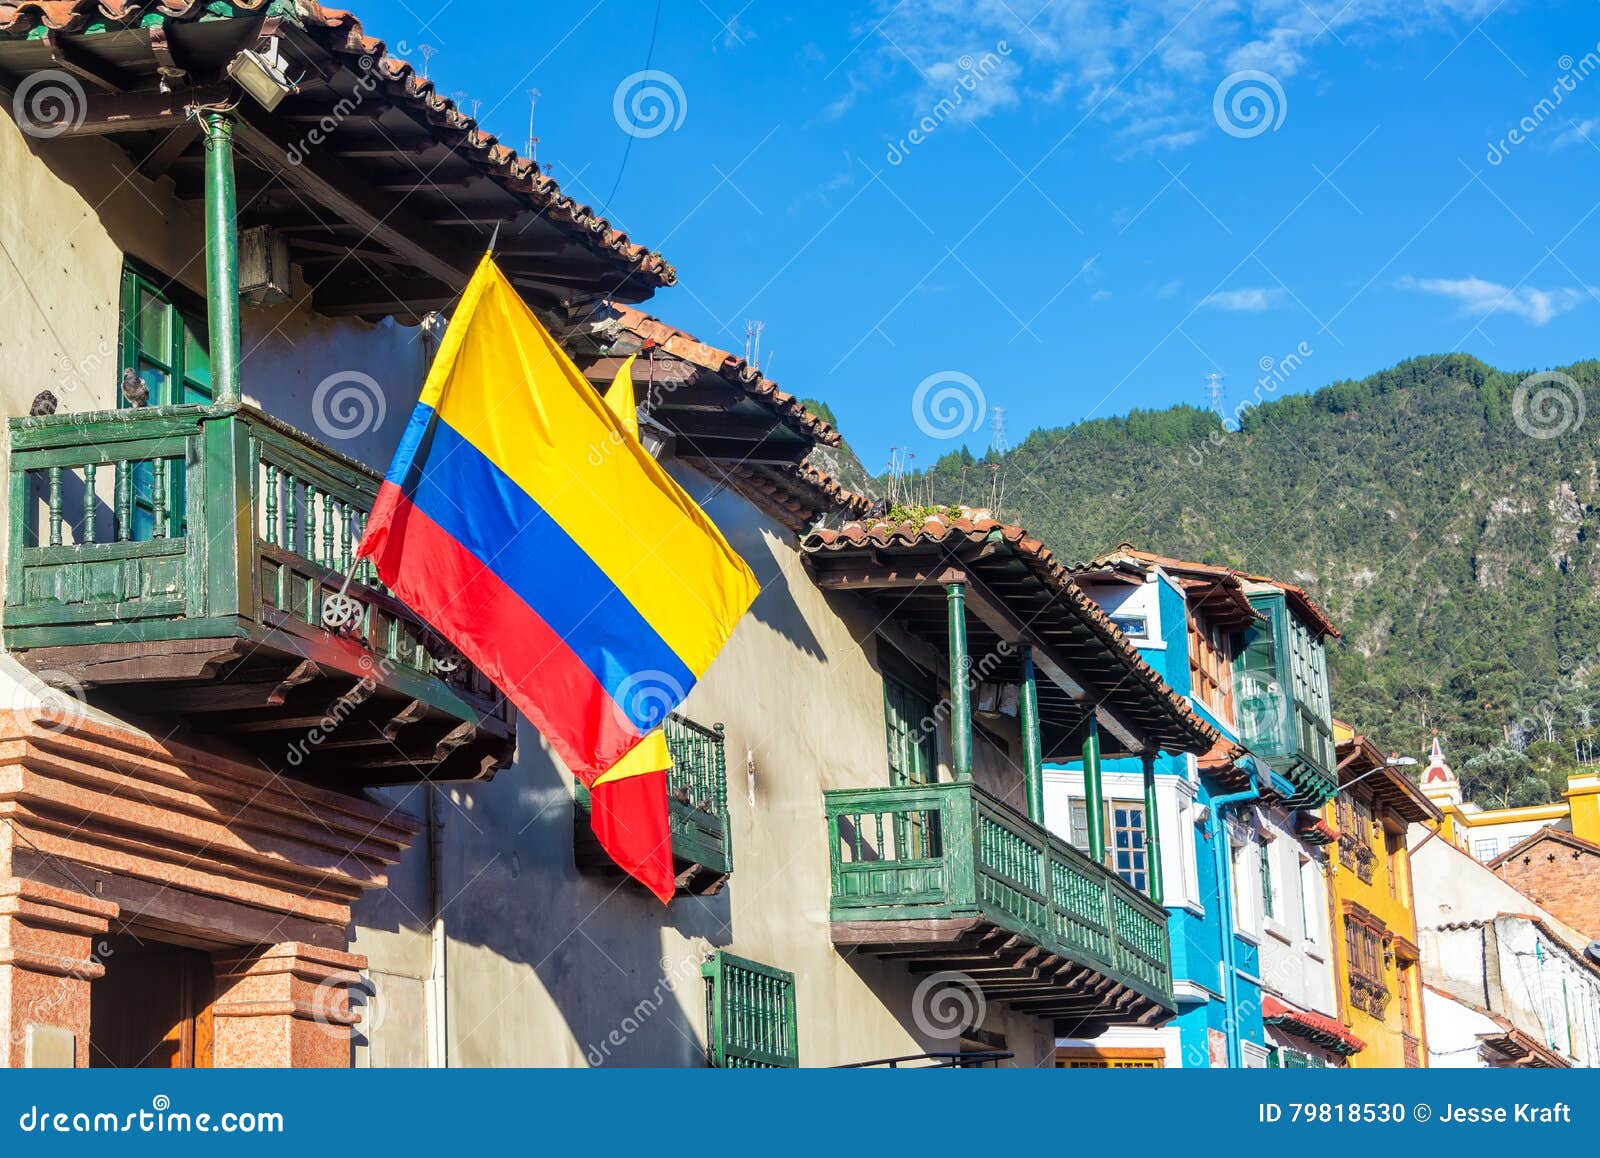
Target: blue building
1240, 867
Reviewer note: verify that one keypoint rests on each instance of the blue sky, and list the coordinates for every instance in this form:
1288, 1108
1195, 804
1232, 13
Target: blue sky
1113, 200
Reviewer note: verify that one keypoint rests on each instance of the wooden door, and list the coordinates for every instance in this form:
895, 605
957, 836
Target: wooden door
152, 1009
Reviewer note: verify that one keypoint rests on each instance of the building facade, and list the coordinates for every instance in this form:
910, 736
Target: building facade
1506, 983
1374, 917
255, 812
1245, 882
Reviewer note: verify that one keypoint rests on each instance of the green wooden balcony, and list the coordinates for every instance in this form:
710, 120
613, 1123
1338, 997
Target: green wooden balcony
946, 877
174, 562
1280, 682
697, 811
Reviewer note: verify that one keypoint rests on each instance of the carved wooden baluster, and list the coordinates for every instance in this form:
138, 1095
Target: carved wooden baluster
272, 505
158, 497
88, 502
346, 545
327, 529
124, 501
311, 522
55, 506
291, 494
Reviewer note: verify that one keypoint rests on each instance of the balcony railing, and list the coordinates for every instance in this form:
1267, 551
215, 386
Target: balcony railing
697, 809
177, 559
952, 862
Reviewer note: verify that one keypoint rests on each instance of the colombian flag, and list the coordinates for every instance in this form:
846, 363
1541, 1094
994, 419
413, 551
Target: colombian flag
524, 520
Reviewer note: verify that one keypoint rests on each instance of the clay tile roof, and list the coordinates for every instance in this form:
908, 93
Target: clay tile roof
1303, 601
1559, 835
1315, 1027
796, 495
977, 526
684, 345
343, 33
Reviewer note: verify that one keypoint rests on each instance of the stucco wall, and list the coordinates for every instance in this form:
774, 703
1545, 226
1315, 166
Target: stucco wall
548, 966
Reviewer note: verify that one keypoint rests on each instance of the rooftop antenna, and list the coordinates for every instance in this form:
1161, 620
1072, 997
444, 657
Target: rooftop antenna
1214, 394
752, 343
428, 51
533, 141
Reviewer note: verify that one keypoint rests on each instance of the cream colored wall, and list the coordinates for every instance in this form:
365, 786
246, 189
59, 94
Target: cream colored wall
545, 966
548, 966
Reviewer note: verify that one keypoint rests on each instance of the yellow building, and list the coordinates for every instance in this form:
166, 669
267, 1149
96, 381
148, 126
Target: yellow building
1374, 920
1486, 833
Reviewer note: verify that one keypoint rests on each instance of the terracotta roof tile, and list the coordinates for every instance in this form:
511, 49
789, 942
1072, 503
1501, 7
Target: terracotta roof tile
684, 345
1317, 1027
977, 526
342, 31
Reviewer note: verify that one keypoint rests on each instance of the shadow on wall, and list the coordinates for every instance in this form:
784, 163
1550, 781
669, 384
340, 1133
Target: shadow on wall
621, 970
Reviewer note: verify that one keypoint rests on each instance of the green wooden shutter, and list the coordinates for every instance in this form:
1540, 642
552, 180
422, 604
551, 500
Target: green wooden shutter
750, 1015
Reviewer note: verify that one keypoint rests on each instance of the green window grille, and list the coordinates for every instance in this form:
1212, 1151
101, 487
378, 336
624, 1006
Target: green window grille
1281, 1058
164, 342
750, 1018
1267, 905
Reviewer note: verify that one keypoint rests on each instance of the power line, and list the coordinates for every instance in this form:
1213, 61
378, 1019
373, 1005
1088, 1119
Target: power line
628, 148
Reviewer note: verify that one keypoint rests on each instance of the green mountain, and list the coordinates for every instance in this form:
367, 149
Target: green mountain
1446, 514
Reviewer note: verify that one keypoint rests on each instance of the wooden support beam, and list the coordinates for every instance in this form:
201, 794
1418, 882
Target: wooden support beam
104, 113
994, 612
357, 204
159, 160
71, 57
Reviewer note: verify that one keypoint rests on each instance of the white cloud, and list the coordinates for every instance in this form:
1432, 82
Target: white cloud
1584, 130
1478, 298
1099, 295
1252, 300
1148, 67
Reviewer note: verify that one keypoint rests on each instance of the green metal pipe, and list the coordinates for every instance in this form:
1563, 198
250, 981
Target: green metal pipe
960, 694
1032, 748
222, 255
1152, 829
1094, 794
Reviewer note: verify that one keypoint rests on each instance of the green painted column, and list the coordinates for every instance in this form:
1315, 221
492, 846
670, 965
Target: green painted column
1032, 748
1152, 829
1094, 794
222, 255
960, 694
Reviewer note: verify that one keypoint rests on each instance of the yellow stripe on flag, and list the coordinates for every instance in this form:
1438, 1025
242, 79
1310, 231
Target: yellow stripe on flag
567, 450
650, 754
620, 400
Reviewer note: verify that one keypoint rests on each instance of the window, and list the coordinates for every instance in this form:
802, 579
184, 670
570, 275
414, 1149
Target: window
1268, 906
1079, 835
1133, 626
910, 725
1210, 666
1130, 855
750, 1018
1310, 898
1363, 944
163, 341
1486, 848
1091, 1058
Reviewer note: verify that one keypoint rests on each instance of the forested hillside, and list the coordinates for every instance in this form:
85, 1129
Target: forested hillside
1444, 512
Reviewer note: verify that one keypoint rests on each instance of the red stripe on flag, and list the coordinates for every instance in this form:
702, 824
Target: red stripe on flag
471, 606
629, 818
